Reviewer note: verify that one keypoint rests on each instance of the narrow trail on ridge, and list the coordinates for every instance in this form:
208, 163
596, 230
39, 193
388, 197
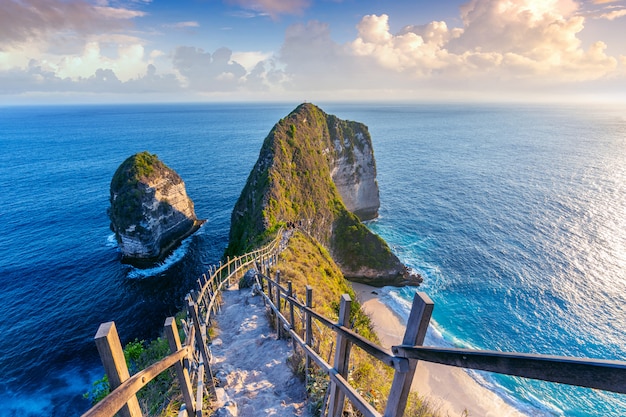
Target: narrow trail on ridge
250, 364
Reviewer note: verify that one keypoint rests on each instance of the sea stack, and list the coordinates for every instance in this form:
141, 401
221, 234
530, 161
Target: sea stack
150, 211
318, 172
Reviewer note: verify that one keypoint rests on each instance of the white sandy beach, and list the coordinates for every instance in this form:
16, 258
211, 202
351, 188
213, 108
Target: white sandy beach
449, 388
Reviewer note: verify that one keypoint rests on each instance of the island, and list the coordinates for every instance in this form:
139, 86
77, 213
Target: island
317, 173
150, 211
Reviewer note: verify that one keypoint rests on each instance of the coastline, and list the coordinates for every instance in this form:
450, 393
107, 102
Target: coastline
451, 390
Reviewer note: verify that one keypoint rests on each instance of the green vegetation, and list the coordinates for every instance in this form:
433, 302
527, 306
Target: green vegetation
161, 397
128, 187
307, 262
292, 183
357, 247
139, 167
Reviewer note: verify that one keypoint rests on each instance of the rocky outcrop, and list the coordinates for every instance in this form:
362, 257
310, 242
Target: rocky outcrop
150, 211
353, 168
318, 172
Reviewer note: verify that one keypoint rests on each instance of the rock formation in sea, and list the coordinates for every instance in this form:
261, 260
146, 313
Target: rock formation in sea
150, 211
318, 172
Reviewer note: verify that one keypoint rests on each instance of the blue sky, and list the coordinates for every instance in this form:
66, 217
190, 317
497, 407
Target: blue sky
230, 50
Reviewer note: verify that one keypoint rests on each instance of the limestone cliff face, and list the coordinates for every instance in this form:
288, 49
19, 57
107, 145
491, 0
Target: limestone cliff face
318, 172
353, 168
150, 211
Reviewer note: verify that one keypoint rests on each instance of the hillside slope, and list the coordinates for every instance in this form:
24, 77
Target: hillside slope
310, 168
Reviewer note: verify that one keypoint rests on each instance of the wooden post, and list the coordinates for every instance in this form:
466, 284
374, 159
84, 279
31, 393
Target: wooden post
171, 332
416, 327
291, 314
278, 326
262, 264
192, 311
112, 357
270, 293
292, 319
342, 359
308, 335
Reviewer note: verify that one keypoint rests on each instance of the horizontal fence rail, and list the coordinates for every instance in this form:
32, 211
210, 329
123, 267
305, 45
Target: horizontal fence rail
590, 373
191, 361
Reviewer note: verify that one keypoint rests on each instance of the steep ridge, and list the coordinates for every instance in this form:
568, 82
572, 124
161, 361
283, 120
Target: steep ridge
318, 172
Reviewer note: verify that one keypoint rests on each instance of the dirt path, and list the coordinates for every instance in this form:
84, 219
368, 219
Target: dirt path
250, 364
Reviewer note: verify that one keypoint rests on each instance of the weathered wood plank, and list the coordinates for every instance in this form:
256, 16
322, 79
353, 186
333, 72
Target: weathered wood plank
342, 359
118, 397
171, 333
308, 335
590, 373
112, 357
416, 327
355, 398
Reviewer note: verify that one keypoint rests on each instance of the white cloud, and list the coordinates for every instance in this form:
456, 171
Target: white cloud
183, 25
523, 45
613, 14
516, 40
273, 8
249, 60
204, 71
25, 20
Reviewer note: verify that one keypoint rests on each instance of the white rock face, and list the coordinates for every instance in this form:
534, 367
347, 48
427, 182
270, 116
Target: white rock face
152, 216
354, 173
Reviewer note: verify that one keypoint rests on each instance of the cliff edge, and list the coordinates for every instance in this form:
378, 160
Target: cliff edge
318, 172
150, 211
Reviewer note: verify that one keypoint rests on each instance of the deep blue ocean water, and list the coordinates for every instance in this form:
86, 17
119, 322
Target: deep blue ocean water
514, 214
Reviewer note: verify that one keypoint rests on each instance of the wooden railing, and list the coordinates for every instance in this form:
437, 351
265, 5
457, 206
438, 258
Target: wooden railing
191, 361
604, 375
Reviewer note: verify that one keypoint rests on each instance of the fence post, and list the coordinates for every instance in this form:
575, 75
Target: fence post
171, 332
308, 335
228, 269
291, 315
414, 334
278, 327
192, 311
342, 359
112, 357
270, 293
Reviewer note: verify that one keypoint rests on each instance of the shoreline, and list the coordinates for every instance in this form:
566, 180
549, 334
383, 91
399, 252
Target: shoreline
449, 389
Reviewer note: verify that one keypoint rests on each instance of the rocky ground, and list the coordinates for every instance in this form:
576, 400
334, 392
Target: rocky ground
251, 364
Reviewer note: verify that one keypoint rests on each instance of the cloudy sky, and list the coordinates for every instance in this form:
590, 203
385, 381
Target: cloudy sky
217, 50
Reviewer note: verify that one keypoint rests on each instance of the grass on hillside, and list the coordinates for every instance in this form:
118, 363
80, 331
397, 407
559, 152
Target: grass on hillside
306, 262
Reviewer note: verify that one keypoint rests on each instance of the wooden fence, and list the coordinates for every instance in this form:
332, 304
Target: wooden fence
191, 360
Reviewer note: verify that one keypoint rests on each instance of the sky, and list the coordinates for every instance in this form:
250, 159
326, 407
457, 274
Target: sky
120, 51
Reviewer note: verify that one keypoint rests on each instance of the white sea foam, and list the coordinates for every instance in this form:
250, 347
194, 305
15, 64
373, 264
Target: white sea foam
111, 242
178, 254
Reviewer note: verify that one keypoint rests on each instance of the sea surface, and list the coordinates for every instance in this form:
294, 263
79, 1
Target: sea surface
515, 215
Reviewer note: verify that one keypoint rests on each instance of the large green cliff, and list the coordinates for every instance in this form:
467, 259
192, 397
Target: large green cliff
309, 165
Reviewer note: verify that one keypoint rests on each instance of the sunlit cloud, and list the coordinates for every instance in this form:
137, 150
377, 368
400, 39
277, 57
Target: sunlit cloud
273, 8
496, 45
249, 60
519, 39
613, 14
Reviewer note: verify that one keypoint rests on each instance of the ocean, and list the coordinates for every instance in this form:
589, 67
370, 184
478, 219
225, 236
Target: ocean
515, 215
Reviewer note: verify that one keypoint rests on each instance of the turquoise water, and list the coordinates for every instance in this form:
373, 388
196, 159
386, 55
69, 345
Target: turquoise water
514, 215
516, 218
